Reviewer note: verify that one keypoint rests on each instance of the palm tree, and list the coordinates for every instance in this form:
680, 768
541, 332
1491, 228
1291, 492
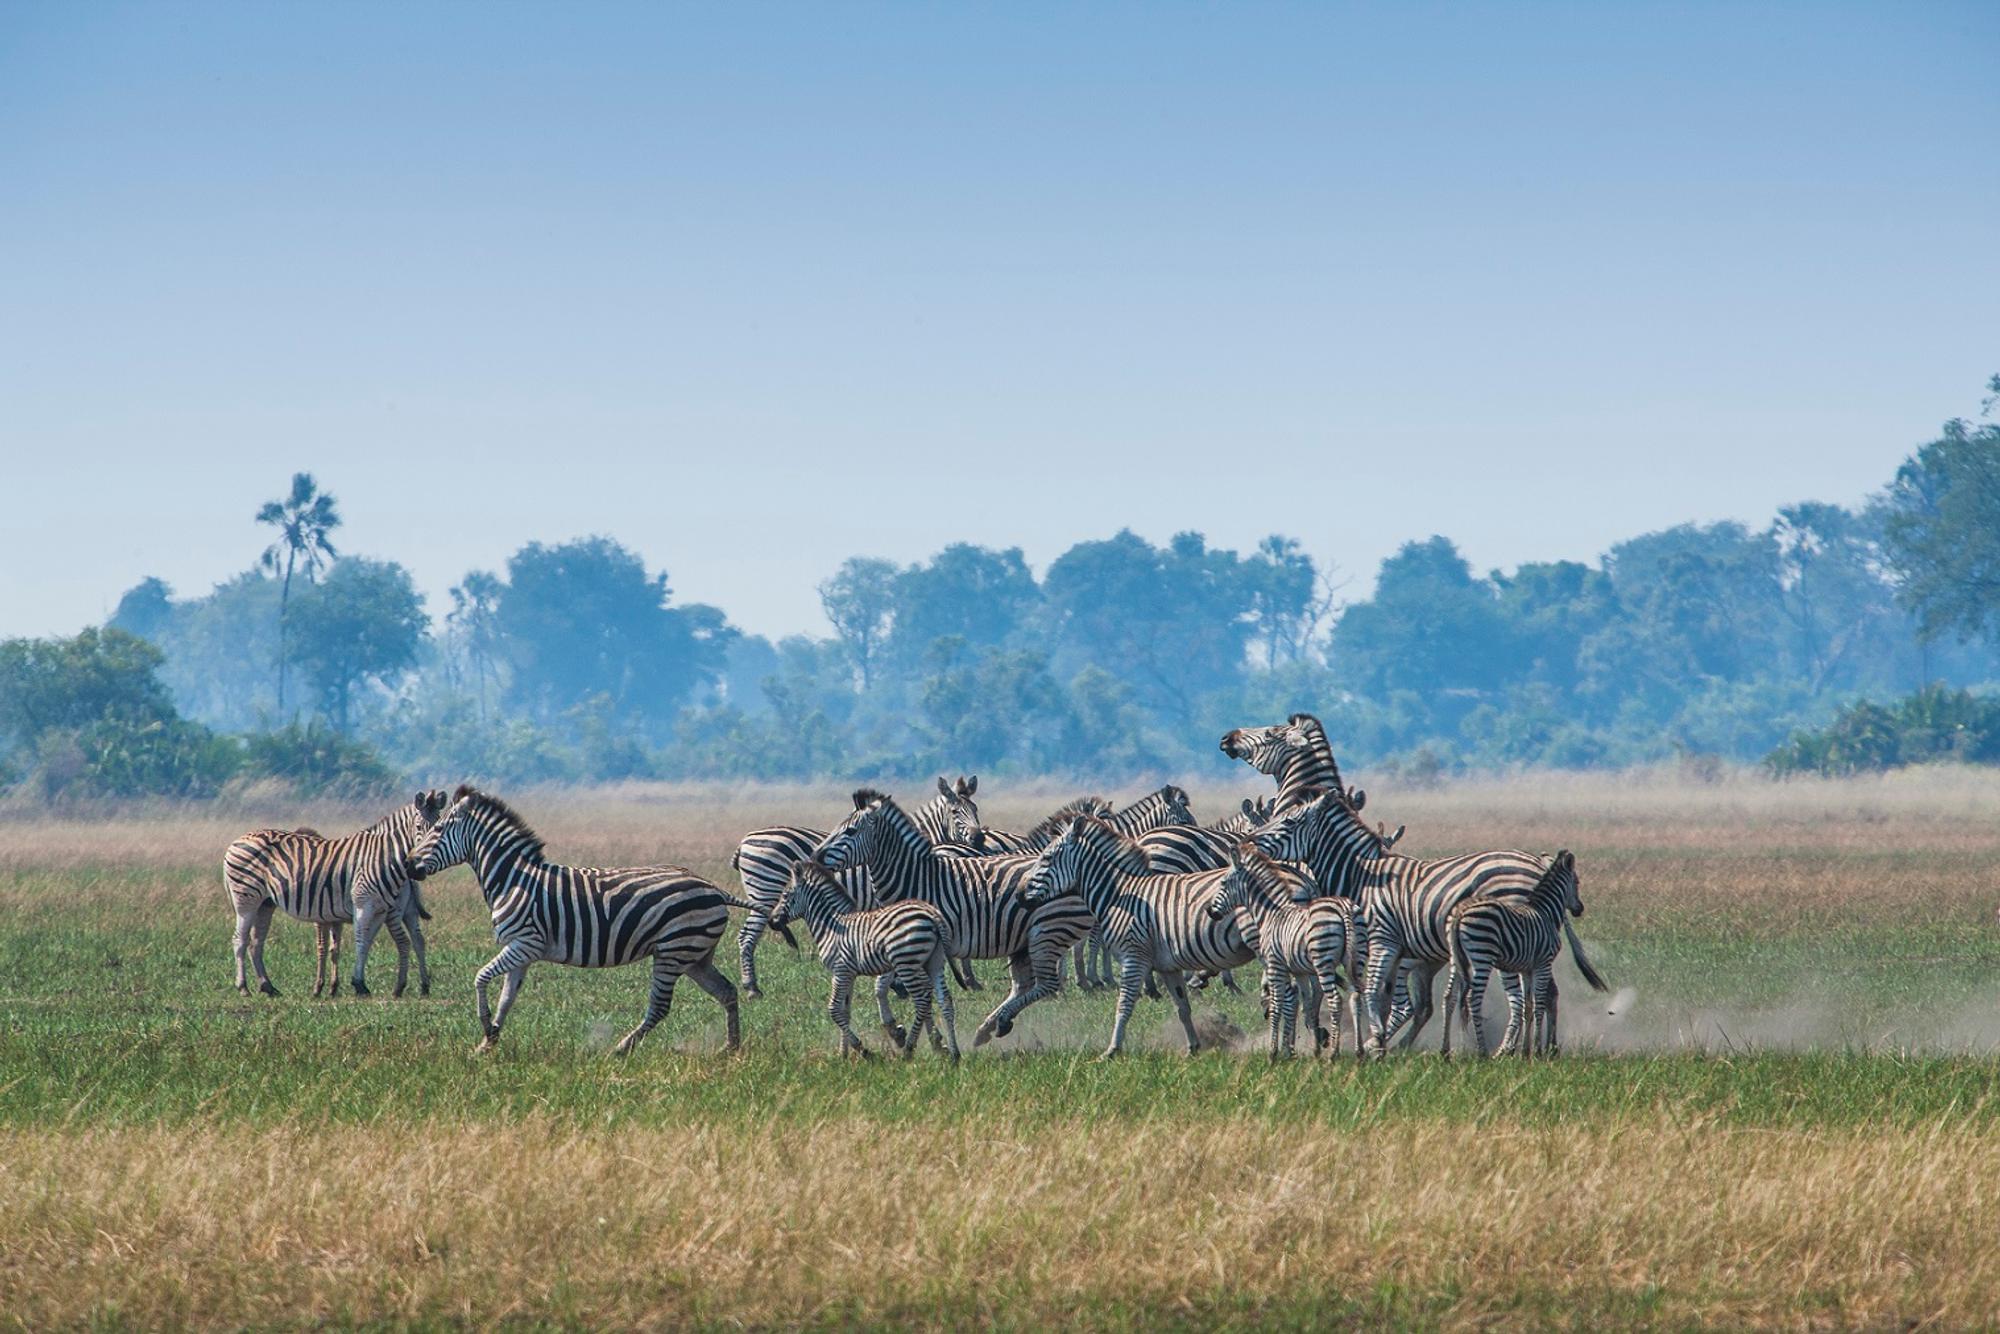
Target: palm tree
474, 611
303, 520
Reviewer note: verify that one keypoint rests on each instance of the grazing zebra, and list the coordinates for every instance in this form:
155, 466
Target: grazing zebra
986, 916
902, 940
1295, 752
1156, 923
1311, 942
1521, 938
1404, 901
586, 917
764, 861
330, 882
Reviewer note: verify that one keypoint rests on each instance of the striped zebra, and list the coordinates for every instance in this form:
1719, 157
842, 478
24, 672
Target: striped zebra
764, 862
902, 940
1295, 753
1153, 923
984, 911
995, 841
331, 882
1183, 849
1255, 811
1310, 942
1520, 938
1404, 901
1165, 808
586, 917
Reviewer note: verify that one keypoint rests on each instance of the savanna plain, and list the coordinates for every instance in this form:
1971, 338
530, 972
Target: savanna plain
1785, 1116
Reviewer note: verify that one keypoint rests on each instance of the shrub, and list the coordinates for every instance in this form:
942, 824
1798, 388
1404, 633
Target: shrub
313, 759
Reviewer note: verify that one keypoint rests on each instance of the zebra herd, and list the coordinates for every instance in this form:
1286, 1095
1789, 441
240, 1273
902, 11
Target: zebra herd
1297, 882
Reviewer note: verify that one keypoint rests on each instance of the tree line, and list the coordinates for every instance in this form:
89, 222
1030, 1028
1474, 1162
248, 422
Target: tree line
1783, 643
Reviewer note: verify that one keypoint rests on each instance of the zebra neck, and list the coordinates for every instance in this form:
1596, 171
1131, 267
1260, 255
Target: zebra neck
496, 861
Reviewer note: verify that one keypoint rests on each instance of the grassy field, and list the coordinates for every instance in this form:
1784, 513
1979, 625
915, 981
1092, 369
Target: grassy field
1789, 1121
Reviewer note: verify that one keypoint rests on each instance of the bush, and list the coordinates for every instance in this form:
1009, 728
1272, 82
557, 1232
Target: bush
313, 759
1933, 724
116, 758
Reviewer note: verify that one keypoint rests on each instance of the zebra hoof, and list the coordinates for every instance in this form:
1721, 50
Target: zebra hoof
360, 988
895, 1033
266, 988
751, 991
982, 1037
423, 988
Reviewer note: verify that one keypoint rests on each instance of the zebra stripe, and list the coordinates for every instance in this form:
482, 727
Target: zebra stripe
1295, 752
901, 940
1310, 942
330, 882
585, 917
1404, 901
764, 862
1152, 922
1519, 937
985, 915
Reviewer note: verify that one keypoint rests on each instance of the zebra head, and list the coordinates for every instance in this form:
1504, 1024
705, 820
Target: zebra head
1057, 866
1562, 869
846, 844
808, 888
1253, 876
1269, 749
1086, 848
961, 812
445, 830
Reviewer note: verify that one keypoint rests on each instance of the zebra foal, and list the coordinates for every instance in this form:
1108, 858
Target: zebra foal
904, 940
1309, 942
1520, 937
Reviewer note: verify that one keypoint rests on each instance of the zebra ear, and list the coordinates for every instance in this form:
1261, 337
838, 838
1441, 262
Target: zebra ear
969, 784
944, 788
1358, 797
1566, 860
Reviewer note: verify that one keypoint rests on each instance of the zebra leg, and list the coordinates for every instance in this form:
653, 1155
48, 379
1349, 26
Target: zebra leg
1422, 975
258, 931
333, 959
747, 937
413, 923
1454, 988
1278, 987
1133, 973
1001, 1022
399, 933
1229, 982
942, 994
1511, 985
369, 916
710, 979
1546, 983
838, 1009
1475, 1003
890, 1028
921, 1019
1383, 956
658, 1001
241, 947
511, 960
967, 979
1178, 989
320, 937
1528, 1014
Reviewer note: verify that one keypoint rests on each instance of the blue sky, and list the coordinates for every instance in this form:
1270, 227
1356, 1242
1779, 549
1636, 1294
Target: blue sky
755, 288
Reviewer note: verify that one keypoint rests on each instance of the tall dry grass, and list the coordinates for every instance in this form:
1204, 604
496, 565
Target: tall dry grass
1082, 1224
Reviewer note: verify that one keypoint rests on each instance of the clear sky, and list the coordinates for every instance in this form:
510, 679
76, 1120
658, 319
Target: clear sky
754, 288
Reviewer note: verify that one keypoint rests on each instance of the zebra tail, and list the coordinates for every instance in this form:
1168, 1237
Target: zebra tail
1461, 968
417, 897
784, 929
1582, 964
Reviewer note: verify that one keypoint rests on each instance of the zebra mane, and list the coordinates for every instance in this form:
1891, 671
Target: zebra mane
501, 813
1052, 824
865, 797
1108, 840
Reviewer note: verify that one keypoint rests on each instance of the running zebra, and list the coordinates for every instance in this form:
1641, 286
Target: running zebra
1404, 901
985, 913
1166, 808
1295, 752
586, 917
901, 940
331, 882
1153, 923
1310, 942
764, 861
1521, 938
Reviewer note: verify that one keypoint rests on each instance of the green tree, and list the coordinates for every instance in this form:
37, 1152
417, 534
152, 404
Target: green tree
146, 610
474, 620
49, 685
1942, 529
305, 518
972, 593
364, 622
860, 603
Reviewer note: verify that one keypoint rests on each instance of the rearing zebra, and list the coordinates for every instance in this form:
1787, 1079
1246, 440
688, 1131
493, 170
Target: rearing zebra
586, 917
984, 913
329, 882
764, 861
1295, 752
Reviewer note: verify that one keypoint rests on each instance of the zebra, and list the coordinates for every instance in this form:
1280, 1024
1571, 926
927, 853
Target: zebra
1152, 922
1521, 938
1404, 901
1164, 808
330, 882
1296, 753
765, 857
586, 917
904, 940
1183, 849
996, 841
985, 914
1255, 811
1311, 941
